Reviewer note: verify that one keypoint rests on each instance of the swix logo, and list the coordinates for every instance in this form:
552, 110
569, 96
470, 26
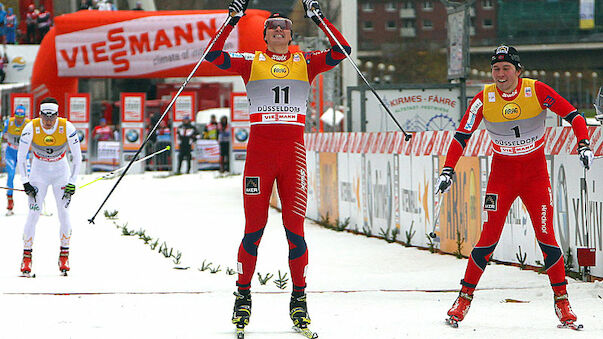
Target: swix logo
543, 219
510, 95
303, 182
136, 46
279, 57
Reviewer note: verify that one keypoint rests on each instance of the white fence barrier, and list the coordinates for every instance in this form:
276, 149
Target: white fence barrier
382, 183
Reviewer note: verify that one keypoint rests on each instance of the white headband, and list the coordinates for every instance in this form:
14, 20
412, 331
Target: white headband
49, 108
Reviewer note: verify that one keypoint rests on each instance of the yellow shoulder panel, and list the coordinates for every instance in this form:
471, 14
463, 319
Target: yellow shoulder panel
524, 106
263, 68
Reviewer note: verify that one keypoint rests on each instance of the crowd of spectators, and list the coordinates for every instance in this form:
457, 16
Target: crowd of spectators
38, 23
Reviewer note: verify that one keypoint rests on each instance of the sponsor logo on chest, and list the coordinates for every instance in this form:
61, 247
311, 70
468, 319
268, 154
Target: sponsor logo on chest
511, 111
49, 140
279, 71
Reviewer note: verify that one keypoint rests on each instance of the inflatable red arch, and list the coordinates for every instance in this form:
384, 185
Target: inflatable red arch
134, 44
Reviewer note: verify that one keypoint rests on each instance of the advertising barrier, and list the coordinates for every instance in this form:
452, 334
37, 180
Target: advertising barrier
384, 185
207, 154
132, 127
78, 112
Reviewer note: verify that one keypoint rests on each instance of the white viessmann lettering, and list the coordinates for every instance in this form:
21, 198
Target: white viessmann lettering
139, 46
279, 117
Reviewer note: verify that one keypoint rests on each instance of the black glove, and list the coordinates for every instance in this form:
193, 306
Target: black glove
237, 9
68, 191
30, 190
445, 180
312, 9
586, 155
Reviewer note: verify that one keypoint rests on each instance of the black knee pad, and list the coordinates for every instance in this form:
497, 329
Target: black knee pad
480, 255
250, 240
552, 254
299, 247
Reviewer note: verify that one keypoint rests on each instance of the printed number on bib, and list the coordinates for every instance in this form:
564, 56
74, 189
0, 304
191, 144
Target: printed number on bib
277, 94
516, 130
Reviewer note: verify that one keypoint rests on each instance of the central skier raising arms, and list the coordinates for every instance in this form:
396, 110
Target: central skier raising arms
278, 84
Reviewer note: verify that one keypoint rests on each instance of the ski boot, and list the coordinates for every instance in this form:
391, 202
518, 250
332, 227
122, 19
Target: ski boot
242, 311
459, 309
26, 263
298, 311
10, 205
64, 260
564, 313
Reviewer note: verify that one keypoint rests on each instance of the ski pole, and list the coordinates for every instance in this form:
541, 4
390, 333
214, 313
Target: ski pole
436, 215
108, 175
167, 109
13, 189
407, 136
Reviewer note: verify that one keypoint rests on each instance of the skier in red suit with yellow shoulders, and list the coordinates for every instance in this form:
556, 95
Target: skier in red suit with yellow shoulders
514, 111
278, 84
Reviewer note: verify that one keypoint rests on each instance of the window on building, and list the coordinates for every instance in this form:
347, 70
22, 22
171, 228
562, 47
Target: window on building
408, 23
407, 5
487, 23
368, 7
487, 4
368, 26
390, 6
390, 25
427, 5
427, 24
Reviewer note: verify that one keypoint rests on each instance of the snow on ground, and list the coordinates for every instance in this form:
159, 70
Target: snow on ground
358, 287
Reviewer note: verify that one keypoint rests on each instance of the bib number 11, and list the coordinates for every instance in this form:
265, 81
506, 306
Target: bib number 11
281, 93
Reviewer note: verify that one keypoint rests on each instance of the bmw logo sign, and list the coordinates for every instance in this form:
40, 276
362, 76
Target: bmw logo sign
132, 135
241, 134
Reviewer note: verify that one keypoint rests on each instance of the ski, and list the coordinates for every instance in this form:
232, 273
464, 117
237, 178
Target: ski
64, 273
571, 325
305, 332
27, 275
240, 332
9, 213
452, 322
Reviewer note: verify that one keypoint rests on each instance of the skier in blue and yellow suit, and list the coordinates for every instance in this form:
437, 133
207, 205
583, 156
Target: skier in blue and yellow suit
12, 132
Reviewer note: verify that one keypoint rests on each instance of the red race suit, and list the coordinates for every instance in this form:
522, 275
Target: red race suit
516, 124
277, 88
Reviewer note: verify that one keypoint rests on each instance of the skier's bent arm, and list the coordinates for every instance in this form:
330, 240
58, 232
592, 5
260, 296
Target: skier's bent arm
471, 120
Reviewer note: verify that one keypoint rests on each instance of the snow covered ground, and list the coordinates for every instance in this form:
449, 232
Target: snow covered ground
358, 287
